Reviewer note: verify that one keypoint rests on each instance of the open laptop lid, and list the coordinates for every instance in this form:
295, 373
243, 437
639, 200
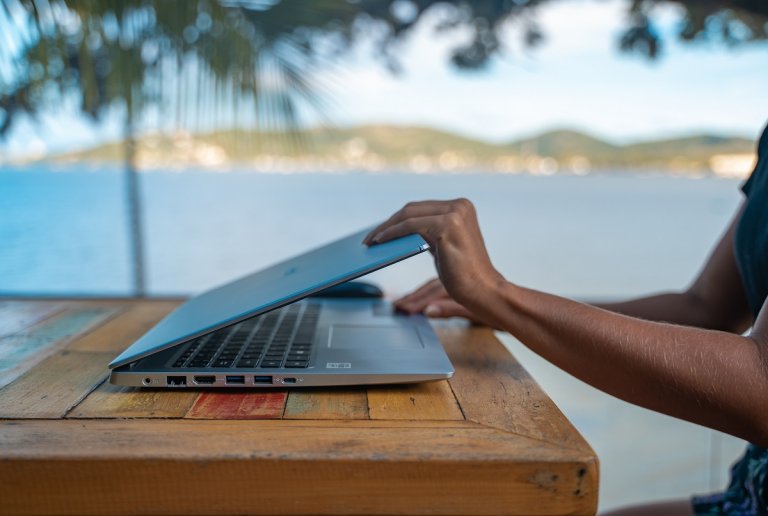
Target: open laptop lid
270, 288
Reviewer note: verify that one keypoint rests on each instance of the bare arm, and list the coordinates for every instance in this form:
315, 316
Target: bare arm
709, 377
716, 299
706, 376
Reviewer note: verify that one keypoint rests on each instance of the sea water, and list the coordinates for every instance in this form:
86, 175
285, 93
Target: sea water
600, 236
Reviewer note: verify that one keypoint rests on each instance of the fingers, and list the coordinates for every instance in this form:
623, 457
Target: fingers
410, 210
447, 308
428, 227
416, 301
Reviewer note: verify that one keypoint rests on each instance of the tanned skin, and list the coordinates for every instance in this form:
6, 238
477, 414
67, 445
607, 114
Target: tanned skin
682, 353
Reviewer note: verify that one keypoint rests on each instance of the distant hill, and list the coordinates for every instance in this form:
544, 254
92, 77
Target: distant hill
424, 149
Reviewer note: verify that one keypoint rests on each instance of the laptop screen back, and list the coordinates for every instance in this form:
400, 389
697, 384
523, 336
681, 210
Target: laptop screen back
271, 288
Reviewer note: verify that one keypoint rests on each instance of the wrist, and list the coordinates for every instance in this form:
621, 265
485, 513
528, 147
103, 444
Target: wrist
487, 295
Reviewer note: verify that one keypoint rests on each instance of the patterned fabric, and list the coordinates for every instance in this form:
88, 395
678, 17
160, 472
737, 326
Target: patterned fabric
747, 492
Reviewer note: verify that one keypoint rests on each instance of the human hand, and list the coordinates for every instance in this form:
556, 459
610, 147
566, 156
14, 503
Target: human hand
453, 234
434, 301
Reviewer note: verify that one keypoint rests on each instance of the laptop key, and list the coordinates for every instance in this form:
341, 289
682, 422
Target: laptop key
246, 363
296, 364
270, 363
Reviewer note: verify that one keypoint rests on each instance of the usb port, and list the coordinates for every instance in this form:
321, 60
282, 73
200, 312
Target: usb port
239, 380
262, 379
176, 381
205, 380
289, 380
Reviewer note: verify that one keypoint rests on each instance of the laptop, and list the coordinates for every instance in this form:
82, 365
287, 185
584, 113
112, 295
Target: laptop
265, 331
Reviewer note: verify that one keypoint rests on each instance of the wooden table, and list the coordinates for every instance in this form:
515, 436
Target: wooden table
488, 441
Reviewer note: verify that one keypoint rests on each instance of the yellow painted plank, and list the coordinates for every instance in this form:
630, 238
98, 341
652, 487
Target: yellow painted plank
334, 404
113, 401
422, 401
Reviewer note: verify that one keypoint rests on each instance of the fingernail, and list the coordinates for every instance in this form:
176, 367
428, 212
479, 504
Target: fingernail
431, 311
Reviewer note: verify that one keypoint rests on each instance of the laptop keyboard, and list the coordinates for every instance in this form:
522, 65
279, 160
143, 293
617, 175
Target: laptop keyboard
282, 338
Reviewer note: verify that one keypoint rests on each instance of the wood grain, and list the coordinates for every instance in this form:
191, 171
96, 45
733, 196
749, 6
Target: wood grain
495, 390
17, 315
123, 330
134, 451
21, 350
239, 405
113, 401
237, 467
340, 404
55, 385
422, 401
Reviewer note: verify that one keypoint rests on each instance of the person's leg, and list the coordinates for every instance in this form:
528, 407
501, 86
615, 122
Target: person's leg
672, 508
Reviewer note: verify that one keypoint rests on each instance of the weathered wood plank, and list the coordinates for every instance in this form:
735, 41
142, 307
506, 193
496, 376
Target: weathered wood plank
342, 403
122, 331
239, 405
433, 400
495, 390
238, 467
49, 389
17, 315
113, 401
20, 351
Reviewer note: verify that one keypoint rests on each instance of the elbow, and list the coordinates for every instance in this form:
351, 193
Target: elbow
759, 431
759, 419
728, 317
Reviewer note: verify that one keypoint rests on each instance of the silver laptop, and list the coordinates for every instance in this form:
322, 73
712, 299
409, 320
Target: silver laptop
264, 330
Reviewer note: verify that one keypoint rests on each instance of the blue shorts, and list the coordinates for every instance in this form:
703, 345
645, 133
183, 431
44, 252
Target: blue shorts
747, 492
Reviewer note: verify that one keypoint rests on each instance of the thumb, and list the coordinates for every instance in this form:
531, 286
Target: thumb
446, 308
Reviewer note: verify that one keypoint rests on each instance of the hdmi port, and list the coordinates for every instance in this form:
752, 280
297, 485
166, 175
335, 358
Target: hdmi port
205, 380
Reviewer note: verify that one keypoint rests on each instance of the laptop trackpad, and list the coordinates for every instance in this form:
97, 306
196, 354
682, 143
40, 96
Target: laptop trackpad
374, 337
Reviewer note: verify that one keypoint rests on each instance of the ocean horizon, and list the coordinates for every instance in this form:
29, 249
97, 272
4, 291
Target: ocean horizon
603, 235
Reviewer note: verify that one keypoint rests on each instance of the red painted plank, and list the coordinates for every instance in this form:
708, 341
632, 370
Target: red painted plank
239, 405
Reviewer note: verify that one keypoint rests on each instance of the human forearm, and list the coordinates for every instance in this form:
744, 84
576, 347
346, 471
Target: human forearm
707, 377
673, 307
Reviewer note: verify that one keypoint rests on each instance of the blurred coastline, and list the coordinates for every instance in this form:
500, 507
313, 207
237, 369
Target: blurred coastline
422, 150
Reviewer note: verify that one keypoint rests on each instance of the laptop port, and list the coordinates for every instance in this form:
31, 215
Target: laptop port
205, 380
237, 380
177, 381
289, 380
262, 379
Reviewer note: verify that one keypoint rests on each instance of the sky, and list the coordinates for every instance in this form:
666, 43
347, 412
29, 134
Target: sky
576, 79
